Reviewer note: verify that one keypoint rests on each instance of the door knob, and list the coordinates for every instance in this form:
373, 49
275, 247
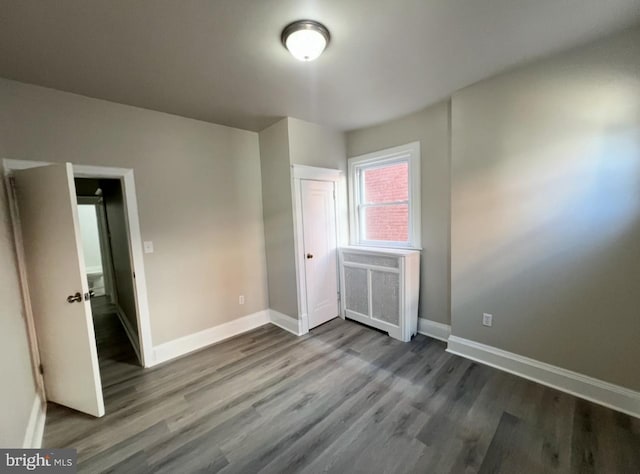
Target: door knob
309, 255
77, 298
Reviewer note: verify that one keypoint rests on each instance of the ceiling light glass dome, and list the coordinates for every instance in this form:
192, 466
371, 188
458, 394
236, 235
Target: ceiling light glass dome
305, 39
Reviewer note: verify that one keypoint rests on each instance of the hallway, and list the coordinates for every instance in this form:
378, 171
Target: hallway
117, 358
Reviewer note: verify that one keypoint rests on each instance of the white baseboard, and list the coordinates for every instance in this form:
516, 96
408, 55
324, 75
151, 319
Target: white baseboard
184, 345
286, 322
181, 346
603, 393
131, 334
35, 428
434, 329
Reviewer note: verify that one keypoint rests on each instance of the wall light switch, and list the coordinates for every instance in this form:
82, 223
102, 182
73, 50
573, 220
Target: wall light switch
487, 319
241, 299
148, 246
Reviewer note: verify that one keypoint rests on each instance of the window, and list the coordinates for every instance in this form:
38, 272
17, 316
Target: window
384, 192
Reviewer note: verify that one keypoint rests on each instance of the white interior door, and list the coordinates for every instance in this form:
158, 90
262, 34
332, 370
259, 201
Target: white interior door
320, 248
55, 272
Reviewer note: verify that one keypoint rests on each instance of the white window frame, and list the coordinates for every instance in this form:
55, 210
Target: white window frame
409, 153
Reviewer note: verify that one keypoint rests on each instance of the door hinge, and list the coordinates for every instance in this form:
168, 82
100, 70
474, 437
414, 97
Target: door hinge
41, 369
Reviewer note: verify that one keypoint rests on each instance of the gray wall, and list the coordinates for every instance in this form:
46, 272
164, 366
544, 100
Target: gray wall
291, 141
546, 210
311, 144
315, 145
18, 387
198, 188
431, 128
278, 218
120, 254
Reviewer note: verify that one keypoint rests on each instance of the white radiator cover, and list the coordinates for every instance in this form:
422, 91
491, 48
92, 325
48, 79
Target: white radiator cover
380, 288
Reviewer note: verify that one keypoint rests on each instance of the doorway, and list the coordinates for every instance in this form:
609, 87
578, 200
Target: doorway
316, 191
109, 272
55, 279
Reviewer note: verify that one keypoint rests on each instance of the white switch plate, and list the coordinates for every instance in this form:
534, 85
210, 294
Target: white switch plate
241, 299
148, 246
487, 319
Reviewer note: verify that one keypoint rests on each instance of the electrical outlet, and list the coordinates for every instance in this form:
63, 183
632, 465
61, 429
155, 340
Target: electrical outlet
148, 246
487, 319
241, 299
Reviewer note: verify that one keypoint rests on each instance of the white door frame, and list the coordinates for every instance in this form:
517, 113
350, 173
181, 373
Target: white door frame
125, 175
299, 172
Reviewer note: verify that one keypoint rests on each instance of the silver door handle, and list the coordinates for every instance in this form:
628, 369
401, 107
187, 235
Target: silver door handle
77, 298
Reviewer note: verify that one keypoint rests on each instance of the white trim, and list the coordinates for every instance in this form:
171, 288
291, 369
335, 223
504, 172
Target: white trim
434, 329
131, 333
135, 241
298, 242
97, 172
409, 152
199, 340
35, 427
304, 322
137, 264
313, 172
603, 393
186, 344
299, 172
286, 322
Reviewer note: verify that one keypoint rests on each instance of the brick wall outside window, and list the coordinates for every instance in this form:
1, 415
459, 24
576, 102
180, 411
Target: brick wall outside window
387, 184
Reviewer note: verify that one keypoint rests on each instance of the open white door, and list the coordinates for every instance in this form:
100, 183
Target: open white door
321, 253
58, 287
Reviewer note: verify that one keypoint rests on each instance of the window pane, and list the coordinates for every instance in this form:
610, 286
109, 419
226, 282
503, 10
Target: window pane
388, 223
386, 184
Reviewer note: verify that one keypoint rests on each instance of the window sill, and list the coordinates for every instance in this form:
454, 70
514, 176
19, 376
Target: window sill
369, 245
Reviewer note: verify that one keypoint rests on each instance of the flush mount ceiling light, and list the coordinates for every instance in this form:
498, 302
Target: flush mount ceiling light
305, 39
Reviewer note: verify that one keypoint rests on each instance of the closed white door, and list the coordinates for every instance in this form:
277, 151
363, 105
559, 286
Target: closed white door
320, 250
58, 287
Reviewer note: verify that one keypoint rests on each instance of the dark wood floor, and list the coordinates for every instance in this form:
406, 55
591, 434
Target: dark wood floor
342, 399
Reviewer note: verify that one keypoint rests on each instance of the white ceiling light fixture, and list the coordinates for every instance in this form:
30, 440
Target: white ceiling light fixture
305, 39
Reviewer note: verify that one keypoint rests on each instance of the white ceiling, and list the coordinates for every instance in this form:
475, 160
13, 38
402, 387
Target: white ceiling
222, 61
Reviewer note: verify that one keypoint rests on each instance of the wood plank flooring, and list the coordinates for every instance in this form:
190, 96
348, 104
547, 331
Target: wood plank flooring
343, 399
